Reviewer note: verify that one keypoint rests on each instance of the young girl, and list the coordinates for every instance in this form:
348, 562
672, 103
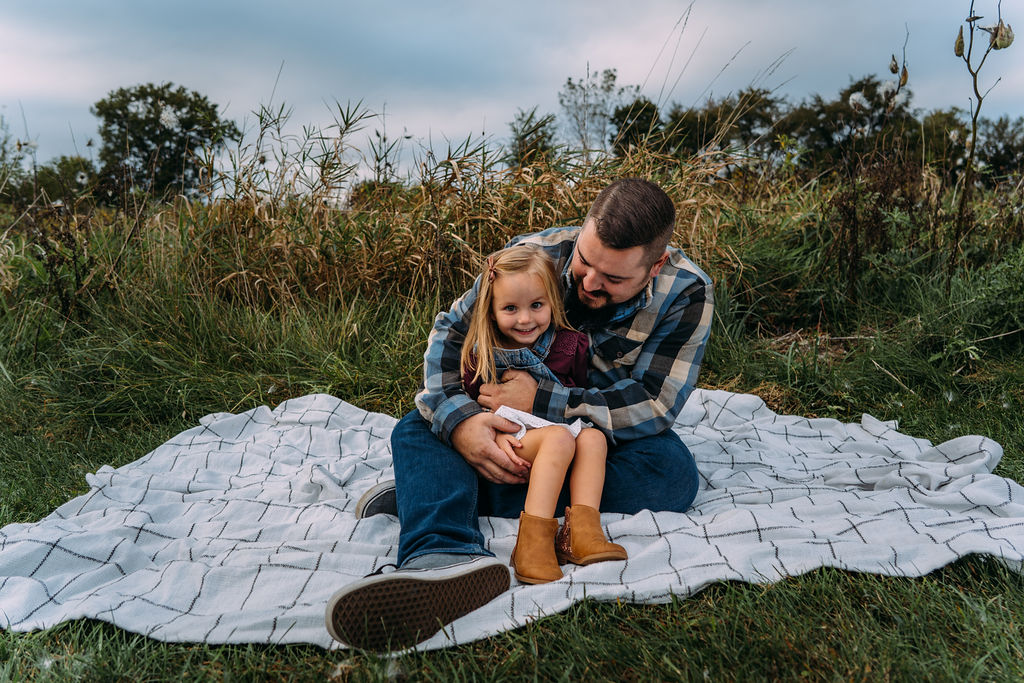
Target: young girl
519, 322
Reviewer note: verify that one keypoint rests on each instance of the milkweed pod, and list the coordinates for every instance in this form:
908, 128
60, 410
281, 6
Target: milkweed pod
958, 46
903, 77
893, 66
1003, 37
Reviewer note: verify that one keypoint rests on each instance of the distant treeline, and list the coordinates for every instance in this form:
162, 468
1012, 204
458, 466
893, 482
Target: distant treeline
163, 140
764, 131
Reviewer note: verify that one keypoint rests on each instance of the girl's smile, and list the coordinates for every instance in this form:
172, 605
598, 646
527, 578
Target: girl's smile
520, 309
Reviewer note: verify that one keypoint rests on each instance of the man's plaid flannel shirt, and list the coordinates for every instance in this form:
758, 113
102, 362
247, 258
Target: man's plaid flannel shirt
644, 361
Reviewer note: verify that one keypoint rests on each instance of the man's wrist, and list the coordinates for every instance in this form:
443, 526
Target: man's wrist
551, 400
456, 417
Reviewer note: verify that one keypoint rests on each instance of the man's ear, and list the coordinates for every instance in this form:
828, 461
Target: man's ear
656, 268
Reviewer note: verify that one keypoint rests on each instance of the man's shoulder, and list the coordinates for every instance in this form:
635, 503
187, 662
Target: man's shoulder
680, 267
551, 238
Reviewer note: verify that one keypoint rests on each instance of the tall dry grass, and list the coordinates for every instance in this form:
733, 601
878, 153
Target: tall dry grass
285, 219
313, 228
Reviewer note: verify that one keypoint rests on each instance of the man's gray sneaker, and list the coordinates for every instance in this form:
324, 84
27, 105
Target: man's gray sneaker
379, 500
383, 612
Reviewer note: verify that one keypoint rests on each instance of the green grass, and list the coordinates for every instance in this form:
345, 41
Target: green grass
192, 308
141, 366
959, 623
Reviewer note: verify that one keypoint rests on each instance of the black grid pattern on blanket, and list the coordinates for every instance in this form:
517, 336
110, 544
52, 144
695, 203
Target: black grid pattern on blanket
239, 529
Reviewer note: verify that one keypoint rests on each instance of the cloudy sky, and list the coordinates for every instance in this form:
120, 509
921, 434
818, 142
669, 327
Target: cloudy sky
444, 70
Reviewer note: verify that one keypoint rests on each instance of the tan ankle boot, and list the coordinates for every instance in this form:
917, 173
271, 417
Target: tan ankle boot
581, 539
533, 558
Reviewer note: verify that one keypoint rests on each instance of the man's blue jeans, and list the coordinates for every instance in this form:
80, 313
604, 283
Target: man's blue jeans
440, 496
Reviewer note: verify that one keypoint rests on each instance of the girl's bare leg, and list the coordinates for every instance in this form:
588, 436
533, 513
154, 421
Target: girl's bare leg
586, 481
550, 450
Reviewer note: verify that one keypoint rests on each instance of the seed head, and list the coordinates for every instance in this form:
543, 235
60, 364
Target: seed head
904, 77
168, 118
858, 101
1003, 36
1000, 36
893, 66
958, 46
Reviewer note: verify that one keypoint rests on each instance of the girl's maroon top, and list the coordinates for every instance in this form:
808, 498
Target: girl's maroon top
567, 359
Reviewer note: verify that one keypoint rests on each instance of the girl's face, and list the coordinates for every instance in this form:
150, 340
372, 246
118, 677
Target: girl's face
520, 309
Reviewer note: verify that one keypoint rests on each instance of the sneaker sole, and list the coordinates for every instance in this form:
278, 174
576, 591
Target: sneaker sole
396, 611
379, 499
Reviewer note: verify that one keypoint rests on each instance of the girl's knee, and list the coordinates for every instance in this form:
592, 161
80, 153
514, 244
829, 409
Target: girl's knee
591, 439
552, 443
557, 437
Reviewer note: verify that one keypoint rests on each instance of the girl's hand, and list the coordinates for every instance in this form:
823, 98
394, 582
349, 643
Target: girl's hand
508, 444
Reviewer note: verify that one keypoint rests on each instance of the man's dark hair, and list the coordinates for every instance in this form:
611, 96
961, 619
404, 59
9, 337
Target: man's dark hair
633, 212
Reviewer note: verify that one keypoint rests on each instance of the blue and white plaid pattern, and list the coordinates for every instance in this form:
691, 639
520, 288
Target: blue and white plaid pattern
643, 367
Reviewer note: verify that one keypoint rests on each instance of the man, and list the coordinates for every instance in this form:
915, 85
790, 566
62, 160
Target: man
647, 310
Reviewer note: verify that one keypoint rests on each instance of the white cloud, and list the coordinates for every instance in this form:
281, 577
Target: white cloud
42, 65
456, 68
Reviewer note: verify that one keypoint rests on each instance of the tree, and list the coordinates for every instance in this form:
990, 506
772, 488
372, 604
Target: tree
743, 123
12, 155
63, 179
635, 125
589, 104
752, 117
942, 138
689, 130
1001, 148
150, 135
533, 138
868, 116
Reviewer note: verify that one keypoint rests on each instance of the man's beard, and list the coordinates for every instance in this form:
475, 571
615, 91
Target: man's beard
595, 302
592, 311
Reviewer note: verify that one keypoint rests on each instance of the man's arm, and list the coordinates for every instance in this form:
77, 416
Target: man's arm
454, 417
443, 401
633, 401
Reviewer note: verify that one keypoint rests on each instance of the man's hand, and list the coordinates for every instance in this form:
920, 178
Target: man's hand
517, 390
474, 439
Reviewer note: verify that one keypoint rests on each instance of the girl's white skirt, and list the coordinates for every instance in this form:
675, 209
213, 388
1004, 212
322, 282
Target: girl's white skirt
527, 421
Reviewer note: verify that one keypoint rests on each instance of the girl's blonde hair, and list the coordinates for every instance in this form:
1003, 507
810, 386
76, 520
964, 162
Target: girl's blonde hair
482, 337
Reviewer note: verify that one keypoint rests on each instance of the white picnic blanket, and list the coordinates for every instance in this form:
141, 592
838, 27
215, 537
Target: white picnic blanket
239, 529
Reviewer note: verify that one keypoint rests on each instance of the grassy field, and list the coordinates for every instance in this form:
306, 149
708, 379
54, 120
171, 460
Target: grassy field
123, 326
